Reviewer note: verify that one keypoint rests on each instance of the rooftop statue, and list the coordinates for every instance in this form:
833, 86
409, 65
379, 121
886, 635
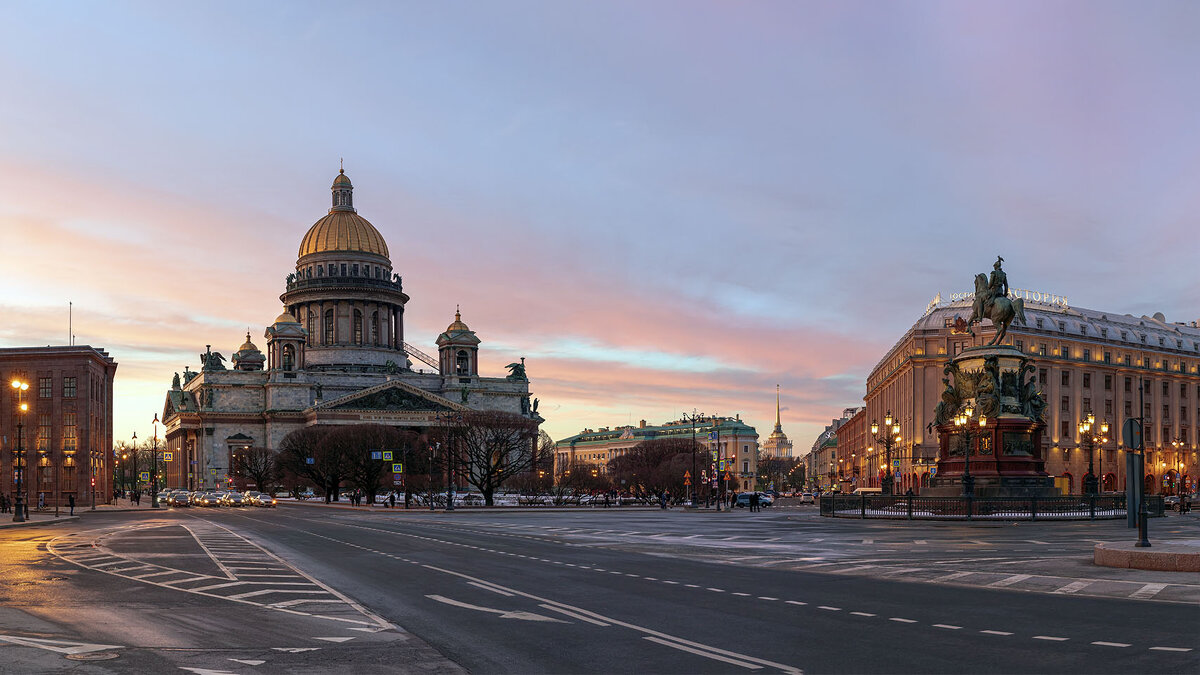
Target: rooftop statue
992, 302
516, 371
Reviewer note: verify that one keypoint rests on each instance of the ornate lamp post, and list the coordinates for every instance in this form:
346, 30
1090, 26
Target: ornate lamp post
1089, 438
890, 436
19, 512
1179, 444
965, 421
153, 471
692, 419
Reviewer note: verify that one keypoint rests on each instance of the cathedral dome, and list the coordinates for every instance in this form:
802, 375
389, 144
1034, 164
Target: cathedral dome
343, 229
458, 326
286, 317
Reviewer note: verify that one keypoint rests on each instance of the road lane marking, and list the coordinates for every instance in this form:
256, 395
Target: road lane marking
828, 608
573, 615
1051, 638
795, 602
1148, 591
766, 597
995, 632
947, 626
705, 654
1073, 587
1170, 649
1009, 581
862, 614
60, 646
503, 614
489, 588
901, 620
1111, 644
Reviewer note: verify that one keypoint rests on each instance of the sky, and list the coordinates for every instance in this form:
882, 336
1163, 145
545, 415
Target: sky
663, 206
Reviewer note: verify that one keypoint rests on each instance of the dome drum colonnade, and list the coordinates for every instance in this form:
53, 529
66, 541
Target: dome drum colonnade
344, 293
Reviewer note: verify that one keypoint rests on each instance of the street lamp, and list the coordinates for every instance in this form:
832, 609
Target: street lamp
964, 420
153, 472
693, 418
1179, 444
891, 436
20, 513
1089, 437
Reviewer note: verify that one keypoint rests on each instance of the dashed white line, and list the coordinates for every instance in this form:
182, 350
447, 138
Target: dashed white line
995, 632
1148, 591
1009, 581
862, 614
1051, 638
828, 608
795, 602
1074, 587
1170, 649
947, 626
1111, 644
901, 620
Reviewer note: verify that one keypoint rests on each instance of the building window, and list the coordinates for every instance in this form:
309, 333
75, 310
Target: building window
1166, 389
1087, 380
1020, 344
1108, 357
320, 270
377, 272
354, 270
1166, 412
312, 326
1039, 322
1124, 335
1083, 329
1065, 430
1128, 384
1042, 349
745, 466
1087, 355
1066, 404
358, 334
69, 386
343, 269
1108, 406
329, 326
289, 357
1103, 332
1042, 373
375, 328
1066, 378
1161, 342
1182, 390
1062, 326
1128, 409
45, 387
462, 363
69, 433
43, 434
1108, 383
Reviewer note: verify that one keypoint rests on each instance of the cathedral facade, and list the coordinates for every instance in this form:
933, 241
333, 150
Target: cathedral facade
335, 355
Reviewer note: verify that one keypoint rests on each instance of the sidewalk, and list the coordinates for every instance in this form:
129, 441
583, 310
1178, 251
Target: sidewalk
36, 518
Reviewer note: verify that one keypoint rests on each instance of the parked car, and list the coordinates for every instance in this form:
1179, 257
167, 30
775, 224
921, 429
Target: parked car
807, 498
743, 499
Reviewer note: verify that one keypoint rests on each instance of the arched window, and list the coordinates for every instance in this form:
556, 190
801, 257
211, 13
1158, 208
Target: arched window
329, 326
312, 327
357, 327
289, 357
375, 328
462, 363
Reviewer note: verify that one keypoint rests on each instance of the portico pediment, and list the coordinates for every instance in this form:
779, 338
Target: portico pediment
392, 396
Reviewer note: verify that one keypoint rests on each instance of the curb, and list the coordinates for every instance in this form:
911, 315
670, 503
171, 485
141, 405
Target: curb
1162, 557
469, 509
36, 523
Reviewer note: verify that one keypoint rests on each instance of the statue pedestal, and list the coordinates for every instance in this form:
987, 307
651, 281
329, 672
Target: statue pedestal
1006, 454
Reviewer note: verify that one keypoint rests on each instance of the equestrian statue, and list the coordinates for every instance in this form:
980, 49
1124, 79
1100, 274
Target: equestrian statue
992, 302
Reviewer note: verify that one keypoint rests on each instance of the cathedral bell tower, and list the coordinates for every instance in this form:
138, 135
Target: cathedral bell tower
285, 344
458, 352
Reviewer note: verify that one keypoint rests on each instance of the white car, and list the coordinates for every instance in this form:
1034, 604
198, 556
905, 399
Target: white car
807, 498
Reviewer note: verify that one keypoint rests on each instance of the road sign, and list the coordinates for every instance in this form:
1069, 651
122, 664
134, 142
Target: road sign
387, 455
896, 463
687, 474
722, 465
397, 481
398, 467
687, 481
168, 456
933, 471
307, 460
376, 454
714, 435
145, 475
727, 476
714, 455
1131, 433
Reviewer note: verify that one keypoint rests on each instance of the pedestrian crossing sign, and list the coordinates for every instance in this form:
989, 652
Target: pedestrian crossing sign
387, 455
398, 467
145, 475
168, 456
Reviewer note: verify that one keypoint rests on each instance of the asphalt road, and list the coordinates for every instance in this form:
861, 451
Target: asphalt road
585, 591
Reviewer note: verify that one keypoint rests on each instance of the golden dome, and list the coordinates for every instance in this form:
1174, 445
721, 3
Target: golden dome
342, 178
248, 346
286, 317
458, 325
343, 231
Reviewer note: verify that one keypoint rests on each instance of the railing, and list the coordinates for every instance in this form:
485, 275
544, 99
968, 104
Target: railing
343, 282
912, 507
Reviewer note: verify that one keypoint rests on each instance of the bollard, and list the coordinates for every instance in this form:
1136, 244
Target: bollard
863, 505
1143, 536
910, 500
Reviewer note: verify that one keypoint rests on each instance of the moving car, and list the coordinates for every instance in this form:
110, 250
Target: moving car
263, 500
208, 499
234, 499
179, 498
743, 499
807, 498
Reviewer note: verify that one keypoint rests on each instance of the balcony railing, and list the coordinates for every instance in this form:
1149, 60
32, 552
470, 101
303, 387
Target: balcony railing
344, 282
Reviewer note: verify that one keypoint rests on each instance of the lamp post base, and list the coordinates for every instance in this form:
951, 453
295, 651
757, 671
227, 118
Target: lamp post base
18, 509
886, 484
1091, 485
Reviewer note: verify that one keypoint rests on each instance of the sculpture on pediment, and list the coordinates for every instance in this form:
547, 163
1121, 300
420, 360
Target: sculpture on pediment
516, 371
466, 393
175, 381
211, 360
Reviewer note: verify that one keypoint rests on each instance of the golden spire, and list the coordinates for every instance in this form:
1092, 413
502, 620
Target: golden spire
777, 405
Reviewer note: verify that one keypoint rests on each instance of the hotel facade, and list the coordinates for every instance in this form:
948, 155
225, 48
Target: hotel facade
1114, 366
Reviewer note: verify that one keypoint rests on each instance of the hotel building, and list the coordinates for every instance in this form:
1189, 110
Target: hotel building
1115, 366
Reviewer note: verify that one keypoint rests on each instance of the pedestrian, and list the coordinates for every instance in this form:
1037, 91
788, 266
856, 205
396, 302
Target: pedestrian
909, 493
662, 500
392, 499
3, 503
71, 503
753, 502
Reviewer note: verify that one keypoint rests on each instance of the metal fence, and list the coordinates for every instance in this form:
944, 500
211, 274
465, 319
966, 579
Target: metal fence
912, 507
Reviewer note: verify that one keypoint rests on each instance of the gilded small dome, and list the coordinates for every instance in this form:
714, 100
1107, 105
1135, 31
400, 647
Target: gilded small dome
342, 178
248, 346
458, 326
286, 317
343, 231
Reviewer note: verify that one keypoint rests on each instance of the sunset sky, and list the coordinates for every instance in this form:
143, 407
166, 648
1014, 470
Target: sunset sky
663, 206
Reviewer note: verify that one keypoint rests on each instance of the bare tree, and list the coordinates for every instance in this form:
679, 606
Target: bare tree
774, 470
654, 467
257, 464
356, 442
487, 448
304, 452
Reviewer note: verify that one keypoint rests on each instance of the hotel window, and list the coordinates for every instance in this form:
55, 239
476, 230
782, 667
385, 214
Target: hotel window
69, 387
1143, 339
1083, 329
1179, 344
69, 432
1124, 335
1020, 344
1066, 378
1166, 412
1087, 380
1042, 376
1166, 435
1128, 384
1182, 390
1062, 326
1108, 383
1161, 342
1087, 404
1182, 414
1065, 432
1087, 355
1108, 357
1103, 332
43, 434
1039, 322
1128, 409
1108, 406
1166, 389
45, 387
1042, 349
1066, 404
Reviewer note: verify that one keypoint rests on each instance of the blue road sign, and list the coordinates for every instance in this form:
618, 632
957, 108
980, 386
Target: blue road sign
387, 455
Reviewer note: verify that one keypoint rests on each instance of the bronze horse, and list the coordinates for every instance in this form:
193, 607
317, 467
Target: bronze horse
1000, 310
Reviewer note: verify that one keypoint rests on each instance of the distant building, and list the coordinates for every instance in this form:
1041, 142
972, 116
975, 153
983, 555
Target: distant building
67, 433
1087, 360
335, 355
821, 462
735, 441
777, 444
